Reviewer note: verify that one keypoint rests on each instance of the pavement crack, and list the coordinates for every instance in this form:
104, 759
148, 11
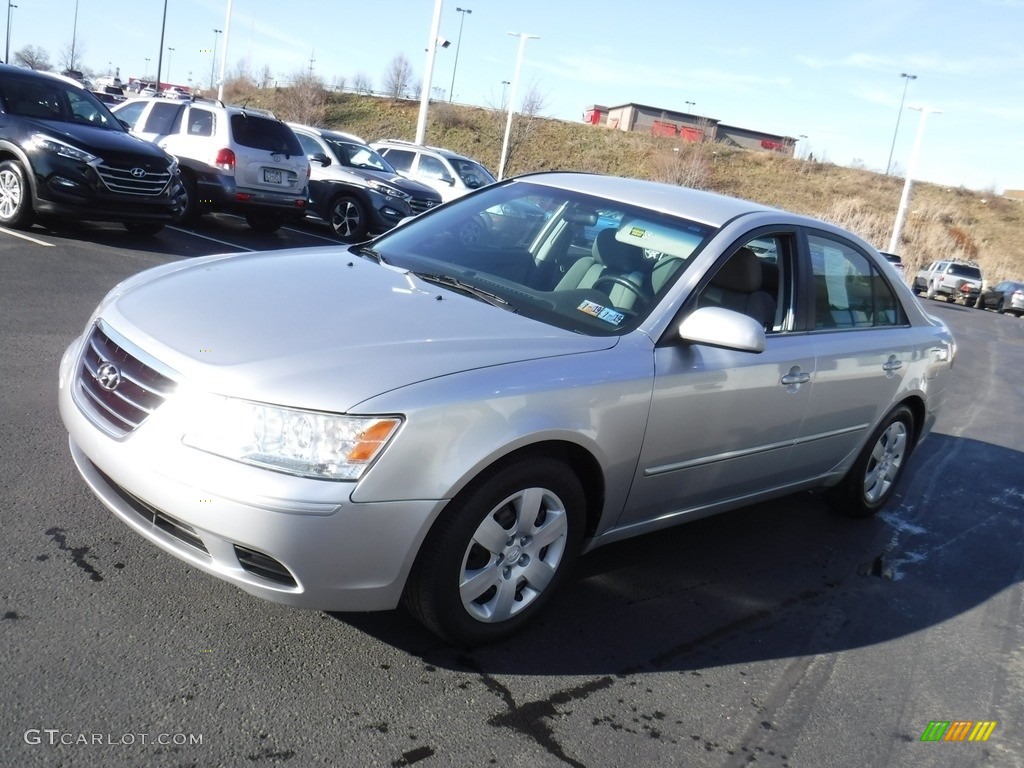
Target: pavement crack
78, 554
534, 719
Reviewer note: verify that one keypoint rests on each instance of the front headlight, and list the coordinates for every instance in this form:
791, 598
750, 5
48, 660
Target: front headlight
40, 141
388, 190
325, 446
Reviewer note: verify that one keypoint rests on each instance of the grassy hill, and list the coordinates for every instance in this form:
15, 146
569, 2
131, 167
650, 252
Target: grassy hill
942, 222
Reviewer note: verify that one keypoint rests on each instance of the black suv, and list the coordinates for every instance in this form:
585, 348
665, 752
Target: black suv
63, 153
354, 189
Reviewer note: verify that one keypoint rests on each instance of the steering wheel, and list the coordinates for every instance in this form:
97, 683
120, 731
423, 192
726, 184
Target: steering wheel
626, 283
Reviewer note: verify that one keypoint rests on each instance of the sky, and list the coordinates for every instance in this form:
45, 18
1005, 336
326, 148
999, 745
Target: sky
827, 70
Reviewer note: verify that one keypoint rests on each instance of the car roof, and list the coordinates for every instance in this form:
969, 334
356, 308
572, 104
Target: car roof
25, 72
328, 133
402, 144
707, 207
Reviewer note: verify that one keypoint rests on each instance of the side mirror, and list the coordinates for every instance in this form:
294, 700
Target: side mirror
723, 328
320, 157
125, 124
449, 180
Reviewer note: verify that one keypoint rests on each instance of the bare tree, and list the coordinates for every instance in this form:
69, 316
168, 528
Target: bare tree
524, 123
71, 55
267, 77
398, 77
307, 100
33, 57
362, 83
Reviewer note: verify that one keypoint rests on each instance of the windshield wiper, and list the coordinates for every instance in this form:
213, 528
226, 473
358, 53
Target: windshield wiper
468, 288
372, 254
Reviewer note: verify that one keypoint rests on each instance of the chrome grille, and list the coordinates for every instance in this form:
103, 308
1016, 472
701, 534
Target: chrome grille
420, 204
139, 391
122, 180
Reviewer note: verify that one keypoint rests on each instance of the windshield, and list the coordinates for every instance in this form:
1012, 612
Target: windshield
579, 262
52, 99
355, 155
473, 175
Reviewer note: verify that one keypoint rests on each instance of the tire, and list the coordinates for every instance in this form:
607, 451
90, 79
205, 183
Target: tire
487, 567
873, 478
193, 211
15, 196
264, 222
147, 228
930, 292
348, 218
1001, 307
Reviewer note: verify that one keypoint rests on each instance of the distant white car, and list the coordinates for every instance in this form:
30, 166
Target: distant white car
451, 174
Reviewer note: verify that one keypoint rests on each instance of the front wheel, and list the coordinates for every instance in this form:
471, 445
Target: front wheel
15, 196
348, 219
872, 479
498, 552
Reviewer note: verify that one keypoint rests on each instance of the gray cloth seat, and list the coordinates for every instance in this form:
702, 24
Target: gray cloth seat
608, 258
738, 286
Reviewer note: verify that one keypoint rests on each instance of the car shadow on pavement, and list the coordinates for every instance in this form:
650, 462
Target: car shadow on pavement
775, 580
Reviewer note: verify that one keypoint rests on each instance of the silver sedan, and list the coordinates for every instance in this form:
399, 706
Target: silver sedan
448, 422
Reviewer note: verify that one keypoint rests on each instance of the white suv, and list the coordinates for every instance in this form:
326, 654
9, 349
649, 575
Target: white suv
451, 174
233, 159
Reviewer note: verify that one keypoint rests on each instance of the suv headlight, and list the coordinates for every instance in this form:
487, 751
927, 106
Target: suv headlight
324, 446
388, 191
40, 141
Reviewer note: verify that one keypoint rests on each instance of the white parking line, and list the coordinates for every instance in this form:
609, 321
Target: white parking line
26, 237
233, 246
333, 240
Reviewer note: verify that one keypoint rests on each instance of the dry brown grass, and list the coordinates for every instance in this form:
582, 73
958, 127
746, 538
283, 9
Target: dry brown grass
941, 222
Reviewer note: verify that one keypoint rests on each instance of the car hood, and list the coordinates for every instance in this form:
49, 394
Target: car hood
362, 175
318, 328
100, 141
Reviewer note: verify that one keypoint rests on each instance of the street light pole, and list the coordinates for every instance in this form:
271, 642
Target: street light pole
7, 55
74, 38
213, 62
224, 52
523, 37
458, 45
435, 27
906, 82
504, 88
169, 52
901, 212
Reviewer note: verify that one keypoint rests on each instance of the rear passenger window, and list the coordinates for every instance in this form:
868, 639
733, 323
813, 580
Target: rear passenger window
850, 292
200, 122
399, 159
163, 119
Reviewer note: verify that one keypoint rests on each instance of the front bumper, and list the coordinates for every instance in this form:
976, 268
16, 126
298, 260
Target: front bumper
292, 540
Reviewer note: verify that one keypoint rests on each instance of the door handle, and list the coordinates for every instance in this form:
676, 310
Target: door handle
794, 378
891, 365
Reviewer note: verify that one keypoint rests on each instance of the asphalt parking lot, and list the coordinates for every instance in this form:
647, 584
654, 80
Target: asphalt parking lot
778, 635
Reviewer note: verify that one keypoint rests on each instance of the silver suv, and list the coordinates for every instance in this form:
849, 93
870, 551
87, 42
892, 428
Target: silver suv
233, 159
451, 174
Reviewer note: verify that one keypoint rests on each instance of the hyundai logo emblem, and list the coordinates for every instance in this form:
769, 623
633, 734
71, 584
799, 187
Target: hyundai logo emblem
276, 158
107, 376
139, 173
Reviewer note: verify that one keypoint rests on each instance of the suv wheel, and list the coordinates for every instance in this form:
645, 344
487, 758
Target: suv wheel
15, 196
348, 218
265, 222
190, 215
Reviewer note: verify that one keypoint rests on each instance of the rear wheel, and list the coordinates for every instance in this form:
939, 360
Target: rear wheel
1001, 307
872, 479
192, 212
498, 552
143, 228
348, 218
265, 222
15, 196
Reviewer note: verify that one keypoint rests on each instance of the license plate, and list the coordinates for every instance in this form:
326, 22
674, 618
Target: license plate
272, 176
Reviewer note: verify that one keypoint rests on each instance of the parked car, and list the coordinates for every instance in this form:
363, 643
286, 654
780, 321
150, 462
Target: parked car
451, 174
951, 280
233, 159
1007, 296
354, 189
446, 425
62, 153
897, 263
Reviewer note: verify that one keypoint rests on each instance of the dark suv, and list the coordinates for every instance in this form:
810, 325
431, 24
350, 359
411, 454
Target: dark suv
63, 153
354, 189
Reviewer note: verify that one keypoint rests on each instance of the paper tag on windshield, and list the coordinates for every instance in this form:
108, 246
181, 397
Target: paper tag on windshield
601, 313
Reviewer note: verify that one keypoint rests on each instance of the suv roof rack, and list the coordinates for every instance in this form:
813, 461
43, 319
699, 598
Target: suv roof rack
193, 98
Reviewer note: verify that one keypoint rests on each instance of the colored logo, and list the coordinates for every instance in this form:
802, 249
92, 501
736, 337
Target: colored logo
958, 730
